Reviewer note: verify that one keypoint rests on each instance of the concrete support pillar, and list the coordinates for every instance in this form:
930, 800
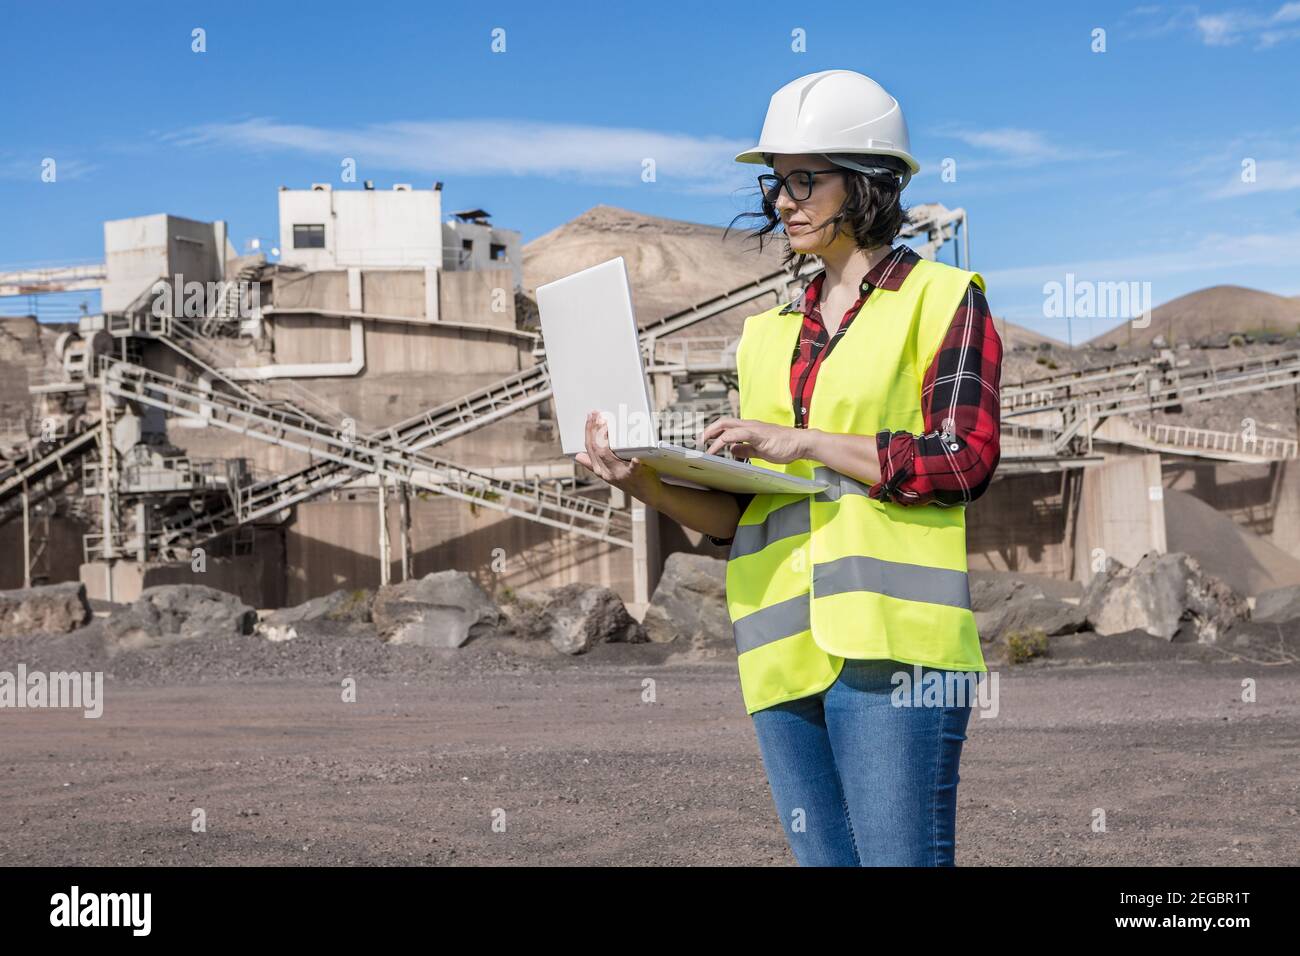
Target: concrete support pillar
404, 523
1121, 513
108, 553
385, 553
142, 531
27, 541
645, 552
432, 312
1286, 496
664, 392
1286, 506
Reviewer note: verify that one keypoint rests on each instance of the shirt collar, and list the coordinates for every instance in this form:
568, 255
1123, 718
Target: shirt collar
887, 274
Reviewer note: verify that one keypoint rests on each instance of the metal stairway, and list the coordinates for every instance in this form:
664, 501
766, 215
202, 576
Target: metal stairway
44, 469
1201, 442
1076, 399
229, 309
1073, 405
184, 337
483, 406
1073, 400
347, 455
449, 420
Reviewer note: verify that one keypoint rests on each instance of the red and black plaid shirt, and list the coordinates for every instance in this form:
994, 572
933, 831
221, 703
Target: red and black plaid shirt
953, 460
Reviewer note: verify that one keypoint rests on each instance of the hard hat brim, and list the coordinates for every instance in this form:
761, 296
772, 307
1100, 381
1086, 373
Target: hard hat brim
756, 154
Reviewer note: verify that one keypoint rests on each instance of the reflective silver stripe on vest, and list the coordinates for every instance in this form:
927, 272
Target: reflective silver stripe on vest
785, 522
840, 484
784, 619
910, 582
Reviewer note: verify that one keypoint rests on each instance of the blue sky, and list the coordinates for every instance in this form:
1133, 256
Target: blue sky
1122, 165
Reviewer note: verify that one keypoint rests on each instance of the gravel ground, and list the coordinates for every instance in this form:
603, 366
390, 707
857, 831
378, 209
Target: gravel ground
581, 769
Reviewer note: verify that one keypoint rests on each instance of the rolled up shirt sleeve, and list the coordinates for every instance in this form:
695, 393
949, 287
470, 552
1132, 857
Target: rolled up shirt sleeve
742, 501
953, 461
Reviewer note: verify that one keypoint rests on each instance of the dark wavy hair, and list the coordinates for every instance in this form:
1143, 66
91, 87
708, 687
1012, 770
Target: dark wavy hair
872, 213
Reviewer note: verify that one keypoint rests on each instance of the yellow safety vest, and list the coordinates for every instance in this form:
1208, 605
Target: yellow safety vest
813, 579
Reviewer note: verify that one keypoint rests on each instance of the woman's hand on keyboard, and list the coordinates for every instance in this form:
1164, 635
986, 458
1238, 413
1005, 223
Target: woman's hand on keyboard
748, 438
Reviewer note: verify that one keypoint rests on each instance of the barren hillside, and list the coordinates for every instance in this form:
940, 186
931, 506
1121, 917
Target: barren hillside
673, 264
1209, 312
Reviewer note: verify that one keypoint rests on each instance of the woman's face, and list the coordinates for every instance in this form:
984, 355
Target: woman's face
828, 194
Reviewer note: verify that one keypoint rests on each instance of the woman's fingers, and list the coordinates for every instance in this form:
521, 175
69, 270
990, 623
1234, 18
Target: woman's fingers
716, 426
726, 437
594, 460
607, 465
742, 451
600, 458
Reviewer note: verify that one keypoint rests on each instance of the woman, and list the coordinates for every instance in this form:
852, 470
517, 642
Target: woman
855, 639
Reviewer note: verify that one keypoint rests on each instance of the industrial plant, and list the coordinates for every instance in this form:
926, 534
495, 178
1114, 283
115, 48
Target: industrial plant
369, 402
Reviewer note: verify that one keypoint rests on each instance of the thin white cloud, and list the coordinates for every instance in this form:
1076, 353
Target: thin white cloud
1237, 25
30, 168
1012, 147
1270, 175
1011, 142
1218, 28
612, 155
1255, 162
1153, 20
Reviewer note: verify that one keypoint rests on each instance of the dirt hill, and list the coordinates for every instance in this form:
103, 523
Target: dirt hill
673, 264
1246, 561
1017, 336
1218, 309
26, 358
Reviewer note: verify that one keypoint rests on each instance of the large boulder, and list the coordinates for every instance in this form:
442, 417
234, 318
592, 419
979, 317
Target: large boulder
524, 615
584, 615
1030, 612
168, 613
442, 609
340, 605
1005, 603
1278, 605
1166, 595
573, 617
690, 604
990, 592
51, 609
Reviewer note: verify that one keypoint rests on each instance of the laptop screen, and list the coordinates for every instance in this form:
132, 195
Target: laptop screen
593, 354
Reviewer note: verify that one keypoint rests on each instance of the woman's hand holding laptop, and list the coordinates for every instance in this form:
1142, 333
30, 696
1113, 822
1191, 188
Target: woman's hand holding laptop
712, 512
633, 477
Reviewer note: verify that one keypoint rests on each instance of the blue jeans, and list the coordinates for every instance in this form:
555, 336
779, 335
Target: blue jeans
859, 781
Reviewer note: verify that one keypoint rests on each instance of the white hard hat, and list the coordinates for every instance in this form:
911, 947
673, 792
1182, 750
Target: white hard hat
843, 114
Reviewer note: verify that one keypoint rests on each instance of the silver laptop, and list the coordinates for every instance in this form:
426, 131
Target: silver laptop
593, 354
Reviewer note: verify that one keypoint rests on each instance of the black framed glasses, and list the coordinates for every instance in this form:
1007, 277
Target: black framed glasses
798, 183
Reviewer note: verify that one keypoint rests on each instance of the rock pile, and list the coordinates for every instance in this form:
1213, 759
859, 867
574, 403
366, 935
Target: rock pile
169, 613
1166, 595
340, 605
52, 609
1009, 604
442, 609
573, 618
690, 606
